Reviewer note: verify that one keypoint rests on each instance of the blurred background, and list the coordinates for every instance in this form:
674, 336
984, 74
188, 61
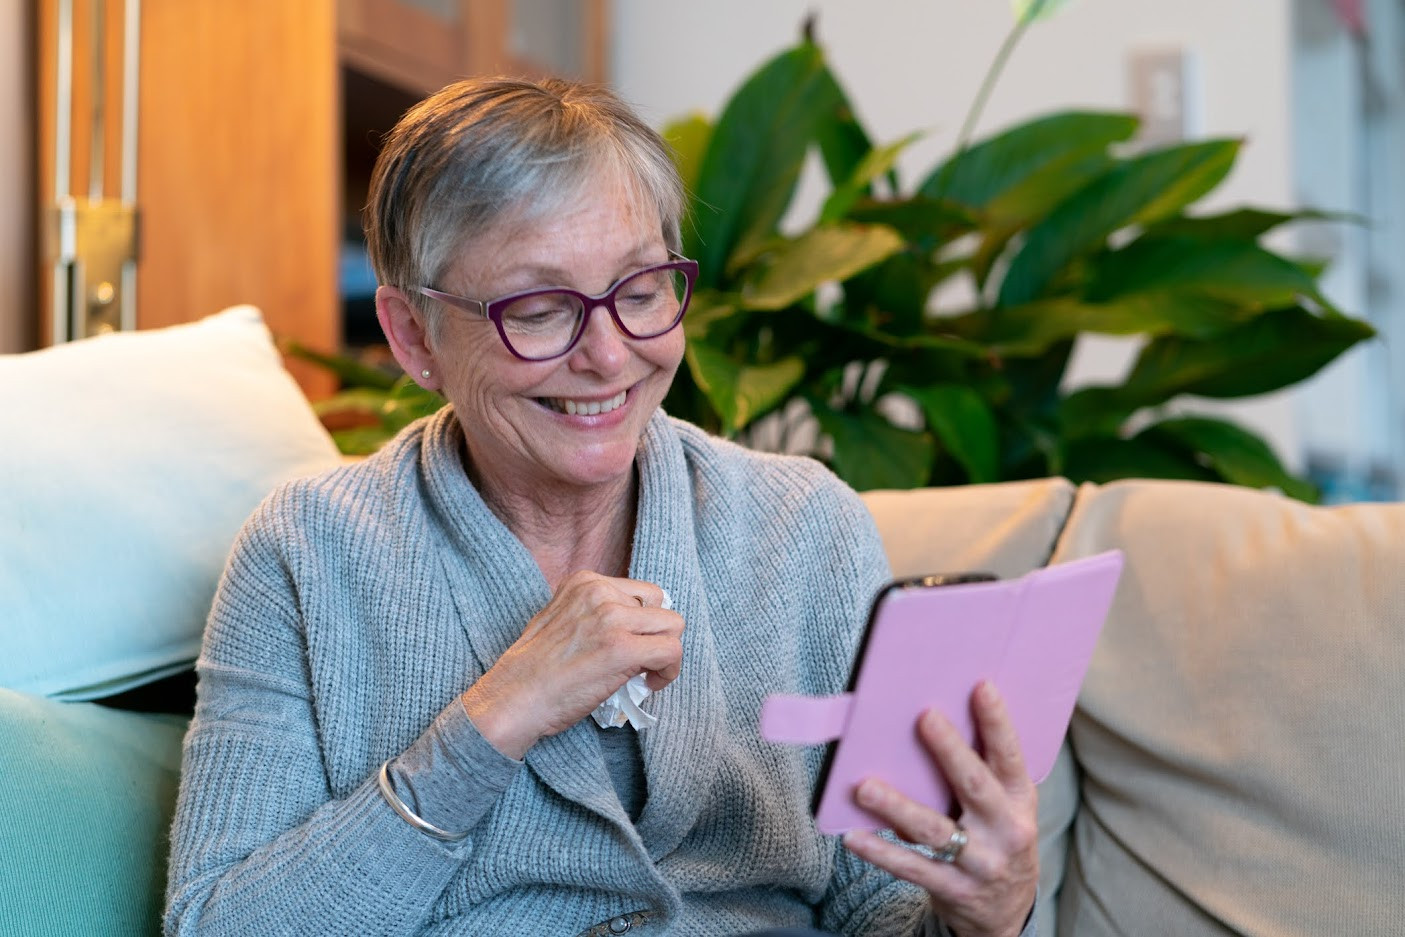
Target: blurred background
257, 124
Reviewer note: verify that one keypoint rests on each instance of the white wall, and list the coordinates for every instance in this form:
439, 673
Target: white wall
912, 64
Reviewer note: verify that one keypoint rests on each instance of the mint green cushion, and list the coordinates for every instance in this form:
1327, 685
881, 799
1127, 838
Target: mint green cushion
84, 816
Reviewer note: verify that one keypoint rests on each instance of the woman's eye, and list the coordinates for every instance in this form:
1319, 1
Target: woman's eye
640, 296
642, 289
540, 312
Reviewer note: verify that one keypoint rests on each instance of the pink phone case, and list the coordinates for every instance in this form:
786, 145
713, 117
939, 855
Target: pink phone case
926, 647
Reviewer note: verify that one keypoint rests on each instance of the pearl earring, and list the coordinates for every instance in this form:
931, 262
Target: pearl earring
425, 373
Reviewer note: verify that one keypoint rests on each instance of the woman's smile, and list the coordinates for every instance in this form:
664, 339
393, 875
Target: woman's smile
584, 407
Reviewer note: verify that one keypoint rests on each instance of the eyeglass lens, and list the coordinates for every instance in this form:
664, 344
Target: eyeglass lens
542, 325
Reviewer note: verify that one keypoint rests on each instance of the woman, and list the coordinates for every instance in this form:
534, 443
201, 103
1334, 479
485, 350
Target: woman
393, 733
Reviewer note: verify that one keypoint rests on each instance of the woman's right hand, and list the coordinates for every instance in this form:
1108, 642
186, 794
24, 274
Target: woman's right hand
595, 633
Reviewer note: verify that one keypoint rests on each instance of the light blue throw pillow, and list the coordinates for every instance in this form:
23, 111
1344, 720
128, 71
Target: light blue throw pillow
127, 470
85, 817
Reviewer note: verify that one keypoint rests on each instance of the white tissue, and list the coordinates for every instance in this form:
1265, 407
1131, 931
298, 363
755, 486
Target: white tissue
623, 704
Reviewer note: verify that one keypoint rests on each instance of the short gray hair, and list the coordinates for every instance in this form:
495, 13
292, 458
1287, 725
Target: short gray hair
487, 150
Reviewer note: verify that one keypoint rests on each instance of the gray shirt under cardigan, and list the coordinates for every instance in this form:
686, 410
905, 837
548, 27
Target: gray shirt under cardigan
357, 606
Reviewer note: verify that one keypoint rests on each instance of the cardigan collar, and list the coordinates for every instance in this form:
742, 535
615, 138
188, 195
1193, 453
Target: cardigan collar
495, 569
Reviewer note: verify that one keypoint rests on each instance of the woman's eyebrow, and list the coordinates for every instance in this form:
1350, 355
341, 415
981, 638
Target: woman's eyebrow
532, 275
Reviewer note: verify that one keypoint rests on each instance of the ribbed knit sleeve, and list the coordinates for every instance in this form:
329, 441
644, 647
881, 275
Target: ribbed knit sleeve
452, 775
259, 845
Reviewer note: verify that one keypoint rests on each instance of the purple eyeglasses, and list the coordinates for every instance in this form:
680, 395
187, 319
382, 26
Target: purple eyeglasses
541, 324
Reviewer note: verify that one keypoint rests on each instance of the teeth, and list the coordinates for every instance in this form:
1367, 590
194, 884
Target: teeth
588, 407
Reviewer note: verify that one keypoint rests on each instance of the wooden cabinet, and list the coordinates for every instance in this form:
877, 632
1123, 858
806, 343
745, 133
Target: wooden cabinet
238, 167
236, 160
258, 121
422, 45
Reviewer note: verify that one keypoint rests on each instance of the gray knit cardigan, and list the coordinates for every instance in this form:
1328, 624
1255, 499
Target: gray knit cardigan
357, 605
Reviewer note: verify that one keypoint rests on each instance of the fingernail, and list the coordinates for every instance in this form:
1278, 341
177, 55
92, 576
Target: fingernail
868, 793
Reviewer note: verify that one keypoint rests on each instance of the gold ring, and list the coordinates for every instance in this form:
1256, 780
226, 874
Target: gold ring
640, 600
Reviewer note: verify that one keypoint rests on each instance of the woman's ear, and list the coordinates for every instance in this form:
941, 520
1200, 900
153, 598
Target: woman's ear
406, 332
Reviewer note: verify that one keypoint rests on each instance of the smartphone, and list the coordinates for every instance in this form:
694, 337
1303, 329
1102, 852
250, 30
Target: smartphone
928, 642
930, 581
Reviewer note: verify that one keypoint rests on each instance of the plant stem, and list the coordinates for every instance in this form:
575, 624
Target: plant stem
992, 74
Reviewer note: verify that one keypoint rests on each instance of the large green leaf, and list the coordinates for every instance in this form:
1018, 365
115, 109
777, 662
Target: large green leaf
1034, 196
793, 269
1237, 455
1266, 353
870, 452
1031, 199
927, 223
755, 154
689, 138
1106, 458
1235, 271
844, 143
989, 169
1137, 191
1240, 223
935, 341
1096, 411
1031, 329
741, 392
706, 310
875, 163
891, 297
964, 424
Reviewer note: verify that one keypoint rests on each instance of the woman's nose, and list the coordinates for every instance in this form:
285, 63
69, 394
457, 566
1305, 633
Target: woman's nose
602, 346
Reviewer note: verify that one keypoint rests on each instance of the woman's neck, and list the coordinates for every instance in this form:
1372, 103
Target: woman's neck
568, 529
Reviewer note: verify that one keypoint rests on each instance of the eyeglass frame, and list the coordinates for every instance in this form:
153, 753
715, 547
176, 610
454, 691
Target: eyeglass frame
492, 309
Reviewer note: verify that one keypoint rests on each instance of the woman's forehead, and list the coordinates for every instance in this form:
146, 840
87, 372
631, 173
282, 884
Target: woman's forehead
587, 265
611, 217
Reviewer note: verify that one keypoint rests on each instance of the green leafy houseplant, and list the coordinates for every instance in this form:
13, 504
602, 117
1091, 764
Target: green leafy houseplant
1057, 227
834, 340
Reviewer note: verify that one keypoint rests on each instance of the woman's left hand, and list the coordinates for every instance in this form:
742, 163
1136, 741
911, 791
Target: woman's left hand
989, 888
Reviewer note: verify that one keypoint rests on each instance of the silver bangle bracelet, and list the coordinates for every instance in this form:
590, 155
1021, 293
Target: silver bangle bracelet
429, 829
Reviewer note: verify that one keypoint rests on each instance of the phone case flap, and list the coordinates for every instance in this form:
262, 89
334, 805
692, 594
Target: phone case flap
804, 720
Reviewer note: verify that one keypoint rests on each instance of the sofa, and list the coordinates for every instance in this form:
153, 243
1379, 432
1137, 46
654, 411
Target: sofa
1235, 763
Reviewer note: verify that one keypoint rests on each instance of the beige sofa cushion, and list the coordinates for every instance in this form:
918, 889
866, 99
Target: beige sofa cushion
1007, 528
1240, 731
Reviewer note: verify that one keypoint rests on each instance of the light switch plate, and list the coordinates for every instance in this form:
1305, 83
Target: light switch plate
1165, 94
